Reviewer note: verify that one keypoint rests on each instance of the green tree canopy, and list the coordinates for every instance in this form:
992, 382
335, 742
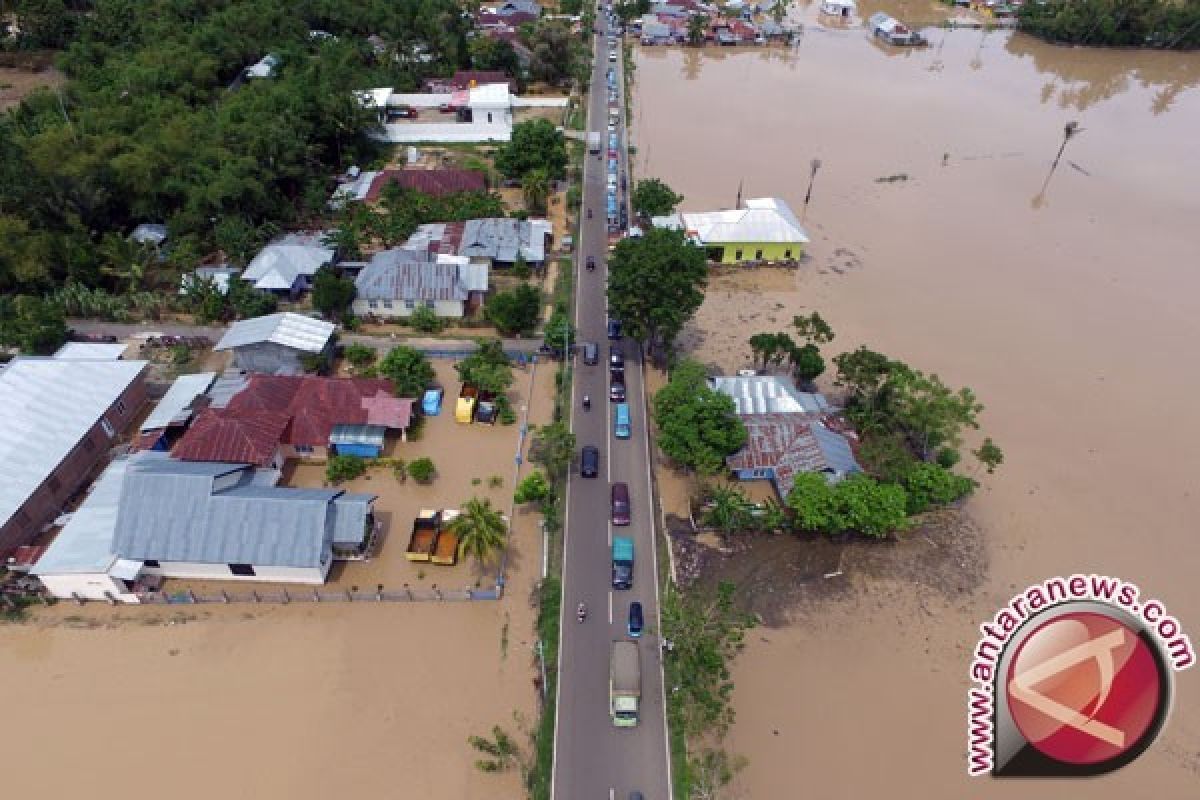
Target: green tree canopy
487, 367
331, 293
535, 144
514, 310
31, 324
533, 488
655, 283
698, 427
653, 198
859, 504
409, 371
553, 447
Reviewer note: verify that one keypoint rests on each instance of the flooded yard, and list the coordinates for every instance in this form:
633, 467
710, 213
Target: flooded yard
1067, 301
303, 700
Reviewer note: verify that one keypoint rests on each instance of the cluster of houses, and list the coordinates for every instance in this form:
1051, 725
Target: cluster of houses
730, 24
194, 493
442, 266
759, 230
788, 432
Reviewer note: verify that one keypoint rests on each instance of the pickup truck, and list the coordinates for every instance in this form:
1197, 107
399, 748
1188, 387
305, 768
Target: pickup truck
594, 142
485, 409
464, 410
622, 563
624, 684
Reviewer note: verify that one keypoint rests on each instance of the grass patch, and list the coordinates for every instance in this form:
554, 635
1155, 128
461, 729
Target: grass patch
550, 597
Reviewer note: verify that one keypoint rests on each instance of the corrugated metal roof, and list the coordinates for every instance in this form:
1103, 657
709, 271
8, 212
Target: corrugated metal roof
249, 437
358, 434
85, 544
279, 263
46, 406
790, 444
436, 182
175, 407
499, 238
350, 518
290, 330
411, 275
169, 512
91, 351
763, 219
762, 394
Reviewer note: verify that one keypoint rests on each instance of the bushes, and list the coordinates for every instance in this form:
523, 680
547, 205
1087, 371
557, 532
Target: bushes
858, 503
425, 320
929, 485
344, 468
422, 470
359, 355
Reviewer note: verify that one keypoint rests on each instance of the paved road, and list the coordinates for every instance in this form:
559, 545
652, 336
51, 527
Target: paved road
593, 759
381, 343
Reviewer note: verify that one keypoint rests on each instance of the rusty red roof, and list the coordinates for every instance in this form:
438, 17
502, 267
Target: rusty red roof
436, 182
309, 406
240, 437
792, 443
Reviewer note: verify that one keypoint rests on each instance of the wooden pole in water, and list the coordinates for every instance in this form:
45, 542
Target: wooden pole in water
812, 177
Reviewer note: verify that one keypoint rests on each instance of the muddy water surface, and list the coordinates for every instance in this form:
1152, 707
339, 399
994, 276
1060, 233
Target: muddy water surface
1070, 305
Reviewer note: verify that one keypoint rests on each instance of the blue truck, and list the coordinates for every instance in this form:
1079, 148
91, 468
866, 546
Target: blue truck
622, 563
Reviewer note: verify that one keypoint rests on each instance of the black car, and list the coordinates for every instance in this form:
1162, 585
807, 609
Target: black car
635, 624
614, 329
589, 461
616, 390
616, 356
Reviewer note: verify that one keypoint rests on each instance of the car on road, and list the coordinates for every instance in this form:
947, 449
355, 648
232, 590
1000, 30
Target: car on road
635, 623
591, 353
620, 504
589, 461
622, 426
616, 390
616, 356
614, 329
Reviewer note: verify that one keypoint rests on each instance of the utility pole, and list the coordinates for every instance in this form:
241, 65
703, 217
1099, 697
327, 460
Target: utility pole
816, 165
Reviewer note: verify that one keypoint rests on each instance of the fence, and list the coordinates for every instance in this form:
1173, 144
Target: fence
285, 596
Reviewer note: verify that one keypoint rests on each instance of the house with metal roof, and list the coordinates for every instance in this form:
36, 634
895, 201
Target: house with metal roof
153, 516
396, 282
277, 417
762, 230
778, 446
287, 265
498, 240
59, 417
91, 351
171, 415
275, 344
769, 394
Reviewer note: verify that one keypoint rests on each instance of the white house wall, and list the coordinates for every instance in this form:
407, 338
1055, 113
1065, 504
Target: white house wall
448, 132
88, 585
443, 308
220, 572
539, 102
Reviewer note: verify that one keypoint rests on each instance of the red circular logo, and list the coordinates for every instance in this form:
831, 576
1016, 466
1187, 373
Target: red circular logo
1083, 688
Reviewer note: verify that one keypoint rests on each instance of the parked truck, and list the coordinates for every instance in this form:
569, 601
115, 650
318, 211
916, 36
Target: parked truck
624, 684
424, 535
594, 142
622, 563
464, 411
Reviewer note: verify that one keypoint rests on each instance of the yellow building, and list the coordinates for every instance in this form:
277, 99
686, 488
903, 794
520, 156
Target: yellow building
763, 230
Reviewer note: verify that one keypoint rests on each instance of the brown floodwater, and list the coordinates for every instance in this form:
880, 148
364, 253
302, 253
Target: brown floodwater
1070, 304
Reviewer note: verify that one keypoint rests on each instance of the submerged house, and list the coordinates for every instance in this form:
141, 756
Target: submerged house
277, 343
763, 230
397, 282
892, 31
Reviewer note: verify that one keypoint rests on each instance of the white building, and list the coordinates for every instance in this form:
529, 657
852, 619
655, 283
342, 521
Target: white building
481, 114
289, 263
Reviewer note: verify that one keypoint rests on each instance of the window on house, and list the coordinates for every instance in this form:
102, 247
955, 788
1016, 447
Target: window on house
373, 304
429, 304
304, 449
108, 429
737, 254
88, 444
120, 407
787, 253
387, 303
410, 304
245, 570
152, 563
758, 255
489, 116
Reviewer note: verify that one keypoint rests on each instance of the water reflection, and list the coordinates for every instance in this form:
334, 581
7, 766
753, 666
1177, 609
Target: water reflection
1081, 78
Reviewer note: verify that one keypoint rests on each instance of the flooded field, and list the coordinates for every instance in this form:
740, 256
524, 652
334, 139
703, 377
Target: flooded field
1068, 302
301, 701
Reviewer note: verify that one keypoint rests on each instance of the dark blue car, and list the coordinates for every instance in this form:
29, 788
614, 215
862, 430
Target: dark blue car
634, 626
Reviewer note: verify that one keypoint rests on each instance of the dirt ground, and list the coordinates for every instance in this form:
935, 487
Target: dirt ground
15, 84
295, 701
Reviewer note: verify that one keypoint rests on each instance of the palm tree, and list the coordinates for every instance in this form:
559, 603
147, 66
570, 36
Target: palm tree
481, 529
697, 27
536, 186
729, 510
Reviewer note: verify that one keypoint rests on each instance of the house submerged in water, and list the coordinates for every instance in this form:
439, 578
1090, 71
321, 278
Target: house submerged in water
892, 31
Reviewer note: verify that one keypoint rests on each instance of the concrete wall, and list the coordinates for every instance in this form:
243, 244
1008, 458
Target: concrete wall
443, 308
497, 131
46, 502
267, 357
286, 451
221, 572
88, 585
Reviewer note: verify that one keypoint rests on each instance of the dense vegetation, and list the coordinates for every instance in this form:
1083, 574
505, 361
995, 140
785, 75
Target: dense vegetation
698, 427
1167, 24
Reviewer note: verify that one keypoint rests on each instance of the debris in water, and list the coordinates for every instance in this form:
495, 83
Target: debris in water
900, 176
